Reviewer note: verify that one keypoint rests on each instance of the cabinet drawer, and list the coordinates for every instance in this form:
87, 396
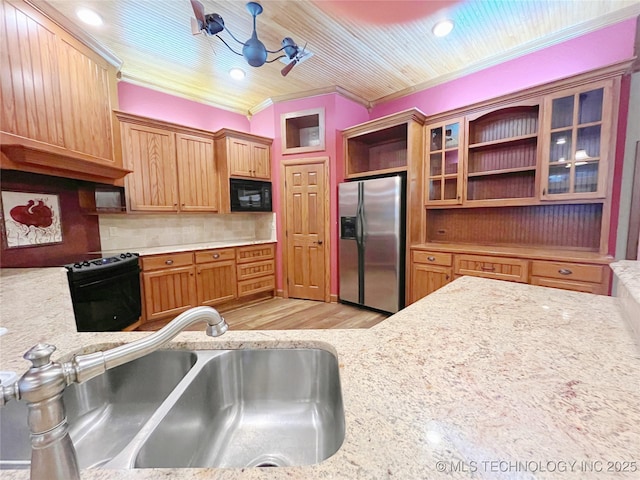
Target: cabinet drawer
568, 271
262, 284
167, 260
217, 255
587, 287
254, 253
513, 269
256, 269
432, 258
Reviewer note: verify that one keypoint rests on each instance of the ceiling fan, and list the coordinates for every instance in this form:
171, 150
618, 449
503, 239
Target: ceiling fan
253, 50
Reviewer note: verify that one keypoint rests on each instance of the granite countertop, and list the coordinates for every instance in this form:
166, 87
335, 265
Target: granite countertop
481, 379
142, 251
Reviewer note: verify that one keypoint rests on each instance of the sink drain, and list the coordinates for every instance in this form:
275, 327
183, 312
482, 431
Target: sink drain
265, 461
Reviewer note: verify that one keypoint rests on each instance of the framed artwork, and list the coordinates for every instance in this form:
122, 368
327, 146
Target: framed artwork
31, 219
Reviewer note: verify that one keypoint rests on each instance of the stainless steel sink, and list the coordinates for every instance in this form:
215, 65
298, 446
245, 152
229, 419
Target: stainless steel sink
206, 408
253, 408
104, 413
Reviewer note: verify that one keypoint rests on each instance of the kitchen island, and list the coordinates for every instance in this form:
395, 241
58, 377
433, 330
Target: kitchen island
481, 379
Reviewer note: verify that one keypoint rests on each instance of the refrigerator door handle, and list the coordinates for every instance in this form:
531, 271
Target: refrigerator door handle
360, 223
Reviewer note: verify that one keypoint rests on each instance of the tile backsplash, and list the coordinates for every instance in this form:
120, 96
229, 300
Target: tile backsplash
128, 232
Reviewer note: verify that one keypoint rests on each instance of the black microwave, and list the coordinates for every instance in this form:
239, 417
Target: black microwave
250, 195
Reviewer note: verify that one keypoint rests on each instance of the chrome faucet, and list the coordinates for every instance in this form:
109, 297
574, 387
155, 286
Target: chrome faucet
53, 455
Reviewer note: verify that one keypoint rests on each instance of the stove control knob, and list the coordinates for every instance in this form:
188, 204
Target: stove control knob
122, 255
77, 265
129, 255
85, 263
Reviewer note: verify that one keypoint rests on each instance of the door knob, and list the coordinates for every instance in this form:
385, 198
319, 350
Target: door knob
319, 242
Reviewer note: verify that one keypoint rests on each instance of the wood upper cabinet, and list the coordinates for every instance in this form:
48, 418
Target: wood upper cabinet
174, 168
151, 154
502, 154
57, 100
197, 173
245, 155
444, 163
578, 142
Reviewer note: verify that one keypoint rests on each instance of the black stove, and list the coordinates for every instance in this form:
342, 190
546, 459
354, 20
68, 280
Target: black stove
90, 265
105, 292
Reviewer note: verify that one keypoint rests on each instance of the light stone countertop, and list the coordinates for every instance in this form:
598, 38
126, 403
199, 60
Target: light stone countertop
142, 251
479, 372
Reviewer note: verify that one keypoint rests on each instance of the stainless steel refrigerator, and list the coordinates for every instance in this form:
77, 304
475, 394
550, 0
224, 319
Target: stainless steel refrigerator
372, 238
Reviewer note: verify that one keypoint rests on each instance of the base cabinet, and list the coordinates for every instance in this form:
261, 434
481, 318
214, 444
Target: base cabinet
216, 276
169, 285
433, 266
174, 283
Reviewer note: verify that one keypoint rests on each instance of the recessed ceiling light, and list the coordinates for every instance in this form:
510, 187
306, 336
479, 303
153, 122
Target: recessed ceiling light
442, 28
237, 73
89, 17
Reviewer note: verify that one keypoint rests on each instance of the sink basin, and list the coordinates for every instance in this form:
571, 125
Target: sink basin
206, 408
104, 413
250, 408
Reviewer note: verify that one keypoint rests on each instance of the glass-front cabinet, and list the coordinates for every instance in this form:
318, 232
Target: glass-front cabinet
443, 169
576, 145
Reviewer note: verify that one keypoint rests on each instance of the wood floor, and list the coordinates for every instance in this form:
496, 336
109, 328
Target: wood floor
292, 314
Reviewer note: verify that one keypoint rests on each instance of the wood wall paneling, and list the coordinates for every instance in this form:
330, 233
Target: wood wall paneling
566, 226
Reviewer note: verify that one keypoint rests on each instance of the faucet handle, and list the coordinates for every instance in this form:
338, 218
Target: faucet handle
40, 354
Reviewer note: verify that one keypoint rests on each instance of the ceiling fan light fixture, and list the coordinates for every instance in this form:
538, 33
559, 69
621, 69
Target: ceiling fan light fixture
442, 28
89, 17
253, 50
237, 73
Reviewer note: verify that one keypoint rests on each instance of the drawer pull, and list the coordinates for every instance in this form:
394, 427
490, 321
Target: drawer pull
488, 269
216, 255
169, 262
431, 258
565, 271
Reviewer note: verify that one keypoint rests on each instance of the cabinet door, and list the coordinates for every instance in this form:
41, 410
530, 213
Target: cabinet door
197, 173
216, 282
86, 102
443, 168
169, 292
261, 161
239, 152
150, 153
428, 278
577, 142
30, 80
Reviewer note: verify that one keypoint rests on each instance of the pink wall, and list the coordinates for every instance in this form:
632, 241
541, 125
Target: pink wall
162, 106
339, 113
593, 50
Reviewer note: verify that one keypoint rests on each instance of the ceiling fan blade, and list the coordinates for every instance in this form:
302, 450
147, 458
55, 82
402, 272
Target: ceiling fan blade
198, 11
196, 26
288, 67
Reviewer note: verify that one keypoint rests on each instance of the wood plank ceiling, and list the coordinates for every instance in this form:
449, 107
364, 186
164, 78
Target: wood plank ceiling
369, 61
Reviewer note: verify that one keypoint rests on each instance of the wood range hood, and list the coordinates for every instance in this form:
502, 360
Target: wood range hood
67, 164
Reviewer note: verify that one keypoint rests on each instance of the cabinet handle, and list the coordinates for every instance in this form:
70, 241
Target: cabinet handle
216, 255
488, 269
544, 191
431, 258
565, 271
169, 262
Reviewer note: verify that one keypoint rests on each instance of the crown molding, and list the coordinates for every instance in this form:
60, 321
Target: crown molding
531, 47
311, 93
63, 22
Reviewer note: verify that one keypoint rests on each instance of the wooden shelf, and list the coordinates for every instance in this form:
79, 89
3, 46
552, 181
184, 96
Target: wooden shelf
504, 141
504, 171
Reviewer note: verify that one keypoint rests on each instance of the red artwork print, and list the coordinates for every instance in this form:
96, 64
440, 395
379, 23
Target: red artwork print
32, 214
